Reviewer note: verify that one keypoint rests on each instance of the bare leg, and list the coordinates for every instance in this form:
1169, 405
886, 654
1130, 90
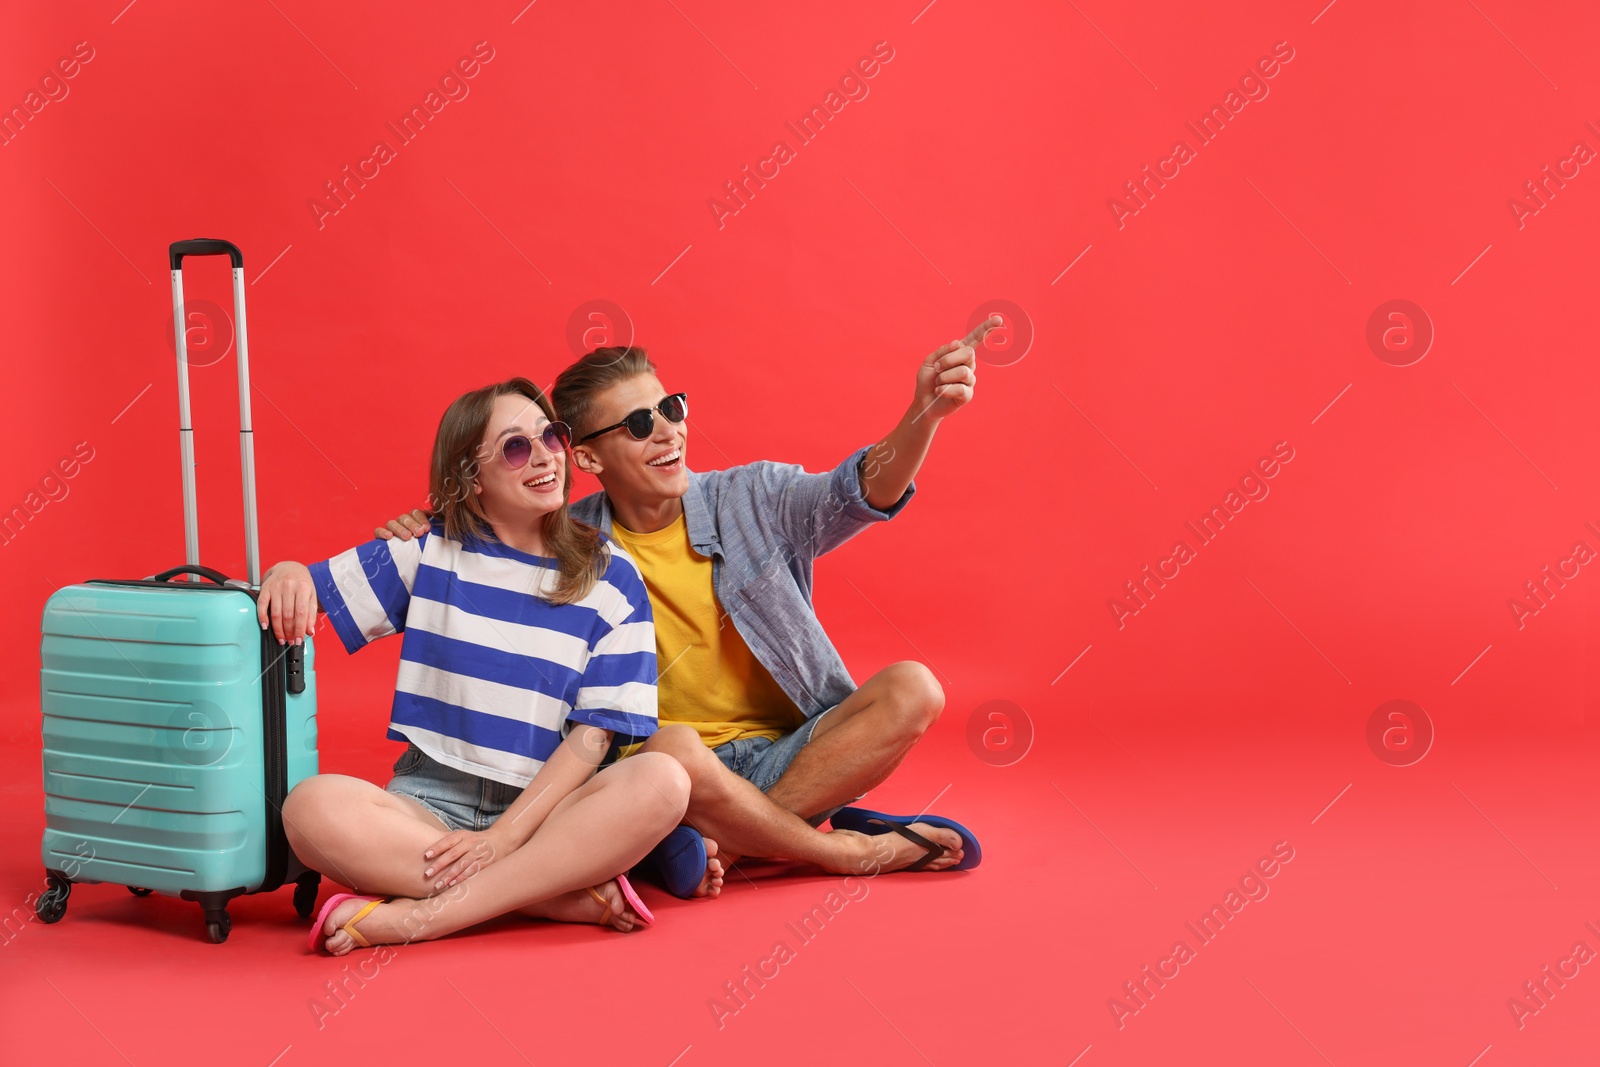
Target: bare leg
859, 743
358, 834
604, 826
579, 906
745, 822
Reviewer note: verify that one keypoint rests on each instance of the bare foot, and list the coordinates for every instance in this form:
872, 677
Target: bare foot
404, 920
711, 884
579, 906
889, 852
377, 926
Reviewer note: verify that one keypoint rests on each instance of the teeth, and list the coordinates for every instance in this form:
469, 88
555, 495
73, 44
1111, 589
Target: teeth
546, 480
664, 460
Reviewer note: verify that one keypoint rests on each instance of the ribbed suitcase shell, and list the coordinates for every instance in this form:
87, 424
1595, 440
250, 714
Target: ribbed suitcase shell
154, 759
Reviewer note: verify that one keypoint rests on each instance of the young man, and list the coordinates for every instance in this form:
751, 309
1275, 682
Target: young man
754, 700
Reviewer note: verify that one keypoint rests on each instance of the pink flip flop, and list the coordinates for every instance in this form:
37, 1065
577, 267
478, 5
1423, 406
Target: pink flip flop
633, 899
629, 896
349, 927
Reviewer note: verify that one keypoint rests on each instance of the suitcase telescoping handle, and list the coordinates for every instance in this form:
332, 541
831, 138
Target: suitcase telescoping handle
247, 456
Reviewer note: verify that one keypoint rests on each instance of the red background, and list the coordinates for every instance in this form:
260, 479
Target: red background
1223, 318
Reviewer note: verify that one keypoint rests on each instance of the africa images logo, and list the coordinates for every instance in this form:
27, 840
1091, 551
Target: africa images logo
453, 87
1253, 86
853, 87
1139, 591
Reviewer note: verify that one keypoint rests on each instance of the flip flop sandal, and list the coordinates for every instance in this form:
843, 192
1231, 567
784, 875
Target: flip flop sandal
628, 895
679, 861
349, 927
873, 823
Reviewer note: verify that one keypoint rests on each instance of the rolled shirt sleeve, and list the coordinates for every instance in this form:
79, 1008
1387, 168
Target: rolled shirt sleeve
820, 512
366, 590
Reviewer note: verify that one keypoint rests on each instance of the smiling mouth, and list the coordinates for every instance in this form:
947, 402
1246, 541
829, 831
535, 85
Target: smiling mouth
542, 481
667, 460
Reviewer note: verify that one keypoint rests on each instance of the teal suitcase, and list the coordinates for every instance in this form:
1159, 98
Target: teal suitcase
174, 725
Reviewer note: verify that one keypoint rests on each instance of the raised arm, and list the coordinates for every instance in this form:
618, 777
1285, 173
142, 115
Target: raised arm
945, 382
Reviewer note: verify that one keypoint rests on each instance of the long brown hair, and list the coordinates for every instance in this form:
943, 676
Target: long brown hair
577, 548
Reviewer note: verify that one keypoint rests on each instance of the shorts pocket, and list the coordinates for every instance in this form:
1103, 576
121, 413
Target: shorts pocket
409, 760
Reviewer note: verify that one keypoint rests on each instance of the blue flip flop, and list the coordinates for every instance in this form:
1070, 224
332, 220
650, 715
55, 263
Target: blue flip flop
679, 861
873, 823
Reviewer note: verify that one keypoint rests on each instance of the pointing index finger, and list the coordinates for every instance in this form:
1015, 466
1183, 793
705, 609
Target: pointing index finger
976, 337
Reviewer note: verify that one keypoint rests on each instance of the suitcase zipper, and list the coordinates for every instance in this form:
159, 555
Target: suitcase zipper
274, 713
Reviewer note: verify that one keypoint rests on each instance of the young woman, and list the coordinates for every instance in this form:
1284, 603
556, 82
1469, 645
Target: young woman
528, 643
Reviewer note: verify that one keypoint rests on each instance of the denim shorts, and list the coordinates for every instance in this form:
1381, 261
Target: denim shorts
460, 800
762, 761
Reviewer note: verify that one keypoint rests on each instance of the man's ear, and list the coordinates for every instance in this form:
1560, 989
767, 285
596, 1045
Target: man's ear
586, 460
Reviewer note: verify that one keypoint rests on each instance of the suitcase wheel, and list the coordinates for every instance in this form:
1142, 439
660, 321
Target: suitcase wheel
139, 890
214, 906
305, 894
51, 905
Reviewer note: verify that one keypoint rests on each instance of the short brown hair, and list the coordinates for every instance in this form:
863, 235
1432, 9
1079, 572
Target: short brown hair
576, 547
579, 384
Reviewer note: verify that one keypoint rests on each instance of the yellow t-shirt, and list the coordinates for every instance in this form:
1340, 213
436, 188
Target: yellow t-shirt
709, 677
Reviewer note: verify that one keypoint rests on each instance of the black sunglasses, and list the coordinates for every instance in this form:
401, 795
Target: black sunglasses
642, 423
517, 449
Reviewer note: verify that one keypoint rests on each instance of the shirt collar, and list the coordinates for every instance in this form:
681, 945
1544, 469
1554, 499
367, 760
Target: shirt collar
696, 514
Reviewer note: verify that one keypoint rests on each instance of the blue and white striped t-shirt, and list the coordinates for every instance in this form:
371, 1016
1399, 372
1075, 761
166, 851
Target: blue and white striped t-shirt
490, 673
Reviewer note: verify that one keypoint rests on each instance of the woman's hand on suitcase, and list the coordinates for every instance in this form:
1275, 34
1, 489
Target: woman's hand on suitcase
414, 524
287, 602
459, 855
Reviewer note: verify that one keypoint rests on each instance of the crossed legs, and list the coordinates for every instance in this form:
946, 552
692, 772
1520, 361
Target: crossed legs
853, 748
373, 841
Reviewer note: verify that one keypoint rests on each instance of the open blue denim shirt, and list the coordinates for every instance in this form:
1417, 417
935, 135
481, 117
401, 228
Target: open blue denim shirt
761, 525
